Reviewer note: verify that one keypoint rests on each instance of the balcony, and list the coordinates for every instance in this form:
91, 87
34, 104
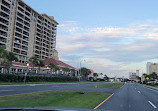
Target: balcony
5, 3
38, 39
26, 23
2, 46
19, 25
25, 38
24, 48
3, 33
25, 43
17, 45
16, 51
3, 27
38, 43
18, 30
5, 9
27, 14
38, 47
3, 40
27, 29
4, 21
39, 35
4, 15
20, 15
18, 35
21, 4
25, 33
27, 19
22, 10
17, 40
24, 52
19, 19
28, 9
37, 52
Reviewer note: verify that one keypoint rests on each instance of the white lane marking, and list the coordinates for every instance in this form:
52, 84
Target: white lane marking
135, 88
152, 104
138, 91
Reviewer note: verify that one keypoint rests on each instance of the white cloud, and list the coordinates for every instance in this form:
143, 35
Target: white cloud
108, 49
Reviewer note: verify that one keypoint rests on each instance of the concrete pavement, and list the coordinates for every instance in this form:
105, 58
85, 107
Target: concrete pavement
132, 97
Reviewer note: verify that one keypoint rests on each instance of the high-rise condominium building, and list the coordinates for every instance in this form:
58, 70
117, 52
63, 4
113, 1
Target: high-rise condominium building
151, 67
26, 32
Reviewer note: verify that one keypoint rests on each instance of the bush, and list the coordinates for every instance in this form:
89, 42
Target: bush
20, 78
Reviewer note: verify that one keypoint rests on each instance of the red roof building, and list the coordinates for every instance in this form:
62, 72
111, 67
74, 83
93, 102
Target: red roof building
22, 67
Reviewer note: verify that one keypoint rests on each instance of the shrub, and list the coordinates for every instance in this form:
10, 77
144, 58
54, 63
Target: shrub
20, 78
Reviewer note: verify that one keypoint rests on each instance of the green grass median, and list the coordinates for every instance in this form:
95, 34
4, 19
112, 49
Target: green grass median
54, 99
110, 85
22, 83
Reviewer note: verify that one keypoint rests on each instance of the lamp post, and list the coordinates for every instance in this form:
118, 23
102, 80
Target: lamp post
26, 73
80, 68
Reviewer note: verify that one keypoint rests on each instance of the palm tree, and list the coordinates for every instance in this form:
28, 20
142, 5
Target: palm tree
84, 72
52, 67
34, 61
2, 52
8, 58
40, 64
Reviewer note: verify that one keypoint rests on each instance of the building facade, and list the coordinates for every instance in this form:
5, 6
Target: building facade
132, 75
152, 67
26, 32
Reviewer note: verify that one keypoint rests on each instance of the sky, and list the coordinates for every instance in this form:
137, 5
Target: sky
113, 37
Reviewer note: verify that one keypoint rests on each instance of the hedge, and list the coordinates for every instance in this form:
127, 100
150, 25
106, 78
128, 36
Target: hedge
20, 78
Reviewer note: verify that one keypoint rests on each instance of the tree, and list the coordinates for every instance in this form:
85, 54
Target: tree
153, 75
8, 59
2, 52
106, 77
95, 74
52, 67
40, 64
84, 72
34, 61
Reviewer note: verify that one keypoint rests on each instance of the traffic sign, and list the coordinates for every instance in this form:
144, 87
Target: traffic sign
147, 78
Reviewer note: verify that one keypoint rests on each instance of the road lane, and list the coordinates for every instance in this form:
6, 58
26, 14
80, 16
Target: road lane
132, 97
21, 89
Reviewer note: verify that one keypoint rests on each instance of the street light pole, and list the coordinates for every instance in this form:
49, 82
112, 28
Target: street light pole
80, 69
26, 73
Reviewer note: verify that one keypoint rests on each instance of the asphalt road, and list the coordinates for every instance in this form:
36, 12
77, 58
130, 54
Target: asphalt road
132, 97
20, 89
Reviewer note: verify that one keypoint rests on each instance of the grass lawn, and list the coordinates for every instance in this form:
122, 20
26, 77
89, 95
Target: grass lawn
111, 85
54, 99
21, 83
155, 85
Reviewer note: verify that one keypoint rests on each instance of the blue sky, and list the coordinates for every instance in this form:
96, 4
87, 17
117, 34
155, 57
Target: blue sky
113, 36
